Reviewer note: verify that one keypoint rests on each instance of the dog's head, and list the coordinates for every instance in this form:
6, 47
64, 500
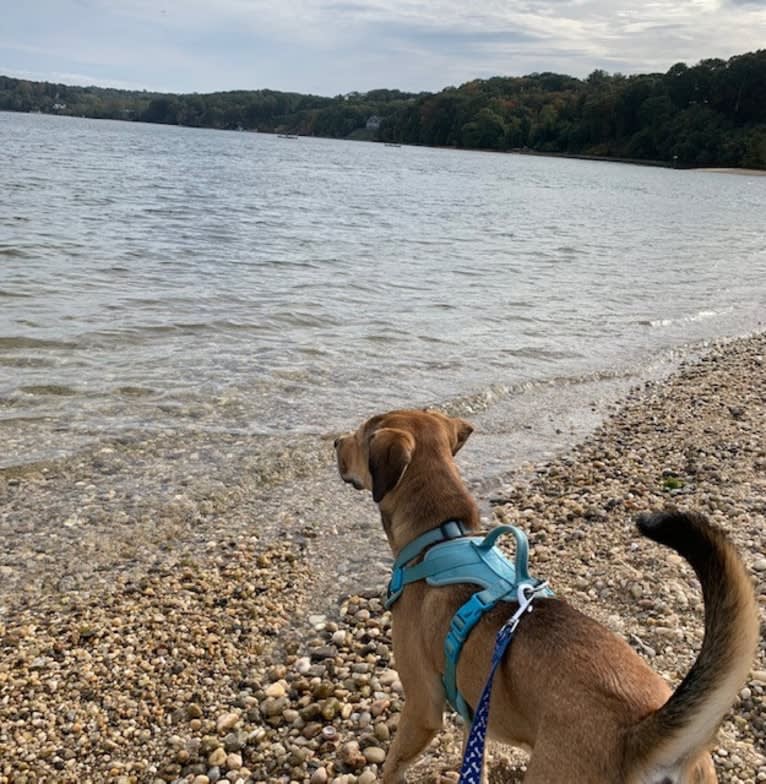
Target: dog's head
378, 454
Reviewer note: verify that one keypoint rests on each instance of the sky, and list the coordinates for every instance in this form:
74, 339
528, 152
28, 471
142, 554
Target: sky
329, 47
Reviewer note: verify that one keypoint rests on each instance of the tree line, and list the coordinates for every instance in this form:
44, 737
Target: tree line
709, 114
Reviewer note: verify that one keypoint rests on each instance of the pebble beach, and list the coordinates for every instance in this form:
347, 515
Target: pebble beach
206, 649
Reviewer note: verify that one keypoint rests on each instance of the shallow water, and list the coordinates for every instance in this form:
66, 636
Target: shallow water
160, 280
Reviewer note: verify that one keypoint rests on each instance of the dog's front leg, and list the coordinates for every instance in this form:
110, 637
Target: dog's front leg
421, 718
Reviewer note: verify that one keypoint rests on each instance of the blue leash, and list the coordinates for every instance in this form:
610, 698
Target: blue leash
473, 760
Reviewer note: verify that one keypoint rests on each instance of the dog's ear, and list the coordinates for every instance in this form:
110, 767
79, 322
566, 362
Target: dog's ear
390, 454
462, 430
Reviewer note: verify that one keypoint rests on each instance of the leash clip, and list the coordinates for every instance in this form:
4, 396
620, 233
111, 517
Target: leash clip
525, 594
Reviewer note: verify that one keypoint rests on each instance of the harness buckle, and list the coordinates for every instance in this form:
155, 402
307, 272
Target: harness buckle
451, 529
470, 613
395, 587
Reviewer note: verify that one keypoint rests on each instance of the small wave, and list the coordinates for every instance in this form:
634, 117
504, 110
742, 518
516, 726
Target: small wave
477, 401
25, 362
302, 318
13, 421
483, 399
570, 250
59, 390
701, 315
536, 353
583, 378
135, 391
13, 294
14, 252
13, 342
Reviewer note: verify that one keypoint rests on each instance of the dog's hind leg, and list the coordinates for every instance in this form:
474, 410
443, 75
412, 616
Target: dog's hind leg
421, 718
553, 761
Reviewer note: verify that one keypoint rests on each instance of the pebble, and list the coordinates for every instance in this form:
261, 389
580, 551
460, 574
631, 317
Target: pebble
319, 776
339, 637
275, 690
374, 755
227, 722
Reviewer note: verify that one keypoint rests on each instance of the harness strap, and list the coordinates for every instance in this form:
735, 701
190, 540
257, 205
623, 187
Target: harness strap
462, 624
451, 529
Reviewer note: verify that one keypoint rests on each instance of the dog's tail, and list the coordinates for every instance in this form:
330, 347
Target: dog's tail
687, 722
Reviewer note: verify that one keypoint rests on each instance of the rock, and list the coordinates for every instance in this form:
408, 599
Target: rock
326, 652
351, 757
235, 741
217, 757
760, 565
193, 711
374, 755
303, 665
274, 707
319, 776
275, 690
226, 722
388, 677
329, 732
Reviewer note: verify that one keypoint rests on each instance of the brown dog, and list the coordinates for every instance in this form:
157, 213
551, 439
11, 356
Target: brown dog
588, 706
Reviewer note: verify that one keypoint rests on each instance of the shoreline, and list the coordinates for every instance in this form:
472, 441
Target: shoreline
641, 162
511, 151
730, 170
223, 662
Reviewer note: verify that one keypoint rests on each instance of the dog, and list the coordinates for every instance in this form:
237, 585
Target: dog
578, 697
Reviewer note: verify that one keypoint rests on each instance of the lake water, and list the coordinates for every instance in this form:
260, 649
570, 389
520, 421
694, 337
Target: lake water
167, 280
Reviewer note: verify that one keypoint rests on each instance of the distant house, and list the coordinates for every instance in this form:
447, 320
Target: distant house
373, 123
59, 107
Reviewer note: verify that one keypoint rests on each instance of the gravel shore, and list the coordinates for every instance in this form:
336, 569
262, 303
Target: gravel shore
238, 661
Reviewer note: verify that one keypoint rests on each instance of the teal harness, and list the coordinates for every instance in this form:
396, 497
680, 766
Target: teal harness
453, 557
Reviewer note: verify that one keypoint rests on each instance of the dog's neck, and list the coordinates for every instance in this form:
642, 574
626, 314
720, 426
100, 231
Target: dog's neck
423, 501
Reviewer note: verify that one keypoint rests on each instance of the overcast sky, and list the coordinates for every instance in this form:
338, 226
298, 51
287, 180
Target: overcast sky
336, 46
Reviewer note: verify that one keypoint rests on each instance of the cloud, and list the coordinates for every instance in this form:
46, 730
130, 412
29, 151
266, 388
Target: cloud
334, 46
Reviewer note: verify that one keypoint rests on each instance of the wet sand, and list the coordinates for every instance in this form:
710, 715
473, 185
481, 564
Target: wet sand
200, 647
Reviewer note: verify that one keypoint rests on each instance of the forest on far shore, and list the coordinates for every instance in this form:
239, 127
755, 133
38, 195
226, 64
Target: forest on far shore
709, 114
